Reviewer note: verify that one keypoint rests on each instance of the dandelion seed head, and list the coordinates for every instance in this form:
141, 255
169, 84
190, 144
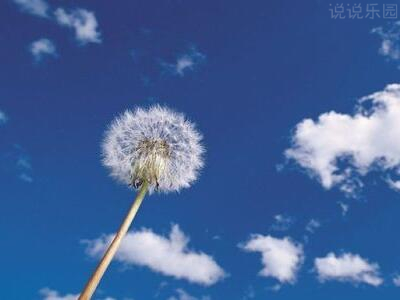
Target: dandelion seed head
156, 145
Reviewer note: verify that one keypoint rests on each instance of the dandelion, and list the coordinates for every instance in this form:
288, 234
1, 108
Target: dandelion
150, 150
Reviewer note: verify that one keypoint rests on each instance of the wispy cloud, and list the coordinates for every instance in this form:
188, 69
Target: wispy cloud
23, 162
25, 177
313, 225
3, 118
167, 255
16, 162
15, 159
84, 23
282, 258
250, 293
339, 149
24, 167
185, 62
390, 36
183, 295
396, 280
347, 268
344, 208
35, 7
49, 294
42, 48
282, 222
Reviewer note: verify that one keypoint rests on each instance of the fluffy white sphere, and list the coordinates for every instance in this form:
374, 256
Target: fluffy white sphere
156, 145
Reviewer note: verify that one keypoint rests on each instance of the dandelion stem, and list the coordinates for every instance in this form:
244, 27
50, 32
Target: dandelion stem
112, 249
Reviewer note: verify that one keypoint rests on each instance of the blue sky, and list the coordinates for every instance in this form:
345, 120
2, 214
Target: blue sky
287, 208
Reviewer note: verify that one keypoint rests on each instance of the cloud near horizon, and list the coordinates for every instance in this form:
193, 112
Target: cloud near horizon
166, 255
339, 149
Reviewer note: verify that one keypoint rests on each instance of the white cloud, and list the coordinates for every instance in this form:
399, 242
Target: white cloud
185, 62
183, 295
82, 21
34, 7
396, 280
390, 36
394, 184
48, 294
41, 48
24, 168
313, 225
282, 258
340, 148
282, 222
344, 208
167, 255
275, 287
250, 293
347, 268
15, 159
25, 177
3, 118
23, 162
